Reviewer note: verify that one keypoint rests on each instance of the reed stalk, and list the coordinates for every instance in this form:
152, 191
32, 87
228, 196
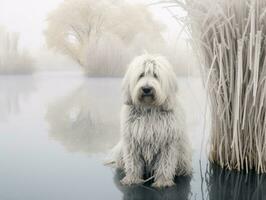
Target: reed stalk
229, 38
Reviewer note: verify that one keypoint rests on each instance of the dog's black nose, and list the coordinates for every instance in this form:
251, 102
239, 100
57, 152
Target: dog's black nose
146, 90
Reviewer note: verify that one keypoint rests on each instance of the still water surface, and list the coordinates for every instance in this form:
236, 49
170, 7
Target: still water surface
55, 130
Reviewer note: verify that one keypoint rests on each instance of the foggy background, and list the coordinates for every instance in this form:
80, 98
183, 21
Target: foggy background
28, 19
61, 116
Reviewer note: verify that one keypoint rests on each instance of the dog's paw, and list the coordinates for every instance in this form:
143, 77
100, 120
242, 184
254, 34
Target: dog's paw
163, 183
131, 180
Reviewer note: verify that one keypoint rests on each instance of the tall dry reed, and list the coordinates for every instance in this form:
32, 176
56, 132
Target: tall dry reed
229, 38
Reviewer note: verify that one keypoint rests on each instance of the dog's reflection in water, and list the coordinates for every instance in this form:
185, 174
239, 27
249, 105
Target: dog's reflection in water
180, 191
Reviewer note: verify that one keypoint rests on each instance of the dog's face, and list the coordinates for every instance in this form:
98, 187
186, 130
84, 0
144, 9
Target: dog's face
147, 88
149, 81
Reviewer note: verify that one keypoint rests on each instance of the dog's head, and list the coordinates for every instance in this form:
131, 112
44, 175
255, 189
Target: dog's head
150, 81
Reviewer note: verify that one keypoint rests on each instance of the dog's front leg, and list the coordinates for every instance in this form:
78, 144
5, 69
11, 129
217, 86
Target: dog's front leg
133, 166
165, 168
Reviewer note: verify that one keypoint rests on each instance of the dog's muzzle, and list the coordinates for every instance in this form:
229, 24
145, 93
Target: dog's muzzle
147, 94
147, 91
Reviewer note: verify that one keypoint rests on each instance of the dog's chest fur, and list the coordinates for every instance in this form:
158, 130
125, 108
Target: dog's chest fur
149, 131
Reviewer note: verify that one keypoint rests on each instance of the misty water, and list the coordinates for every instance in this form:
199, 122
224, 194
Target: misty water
57, 127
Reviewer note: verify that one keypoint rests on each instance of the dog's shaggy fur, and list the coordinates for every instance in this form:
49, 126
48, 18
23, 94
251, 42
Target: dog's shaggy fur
153, 139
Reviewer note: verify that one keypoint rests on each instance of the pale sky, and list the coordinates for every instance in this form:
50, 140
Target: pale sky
28, 18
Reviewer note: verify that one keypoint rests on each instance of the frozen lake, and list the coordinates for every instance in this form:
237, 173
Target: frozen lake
55, 130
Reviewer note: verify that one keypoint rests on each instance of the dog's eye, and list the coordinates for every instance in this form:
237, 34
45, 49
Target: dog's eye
141, 75
155, 75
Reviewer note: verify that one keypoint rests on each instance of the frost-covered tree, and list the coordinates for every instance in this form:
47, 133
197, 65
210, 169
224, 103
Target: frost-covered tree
102, 36
12, 58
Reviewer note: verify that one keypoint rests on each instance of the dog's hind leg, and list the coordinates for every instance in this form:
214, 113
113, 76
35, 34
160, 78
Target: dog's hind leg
184, 162
118, 155
115, 158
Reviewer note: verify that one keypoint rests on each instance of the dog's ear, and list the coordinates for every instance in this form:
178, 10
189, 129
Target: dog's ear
170, 74
171, 99
126, 90
170, 103
173, 82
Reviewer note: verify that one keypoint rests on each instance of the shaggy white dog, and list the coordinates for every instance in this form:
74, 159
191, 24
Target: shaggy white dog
153, 139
